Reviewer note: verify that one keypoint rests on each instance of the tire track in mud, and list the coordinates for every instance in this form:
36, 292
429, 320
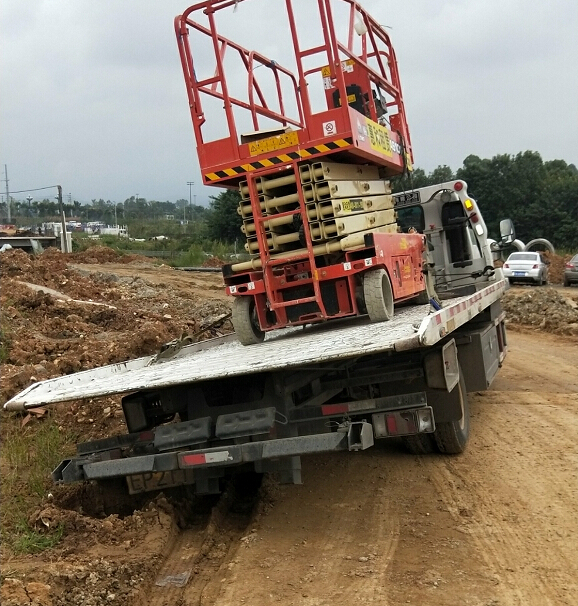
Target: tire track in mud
329, 541
496, 504
189, 573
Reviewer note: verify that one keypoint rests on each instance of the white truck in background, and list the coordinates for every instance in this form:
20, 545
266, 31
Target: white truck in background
198, 412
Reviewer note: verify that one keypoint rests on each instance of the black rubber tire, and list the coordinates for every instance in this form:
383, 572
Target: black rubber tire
566, 283
452, 436
422, 298
422, 443
378, 295
245, 321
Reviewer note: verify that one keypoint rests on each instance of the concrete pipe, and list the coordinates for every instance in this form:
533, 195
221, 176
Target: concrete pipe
540, 244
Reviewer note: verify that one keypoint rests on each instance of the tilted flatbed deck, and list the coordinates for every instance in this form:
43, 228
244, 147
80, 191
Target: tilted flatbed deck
412, 327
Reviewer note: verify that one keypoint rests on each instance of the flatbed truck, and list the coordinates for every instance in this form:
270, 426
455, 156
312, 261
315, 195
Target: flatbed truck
320, 362
217, 406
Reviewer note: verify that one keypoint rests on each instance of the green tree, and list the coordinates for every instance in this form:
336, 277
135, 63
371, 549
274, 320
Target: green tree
418, 178
561, 201
224, 222
517, 187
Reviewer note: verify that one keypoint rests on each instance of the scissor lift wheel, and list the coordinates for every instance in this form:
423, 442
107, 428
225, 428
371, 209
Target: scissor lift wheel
378, 295
245, 321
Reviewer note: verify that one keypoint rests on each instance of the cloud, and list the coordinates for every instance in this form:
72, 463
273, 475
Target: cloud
93, 95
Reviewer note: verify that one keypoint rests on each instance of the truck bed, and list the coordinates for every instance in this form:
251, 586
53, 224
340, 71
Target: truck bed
412, 327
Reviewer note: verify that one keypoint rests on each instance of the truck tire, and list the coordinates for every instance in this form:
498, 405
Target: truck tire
422, 298
245, 321
378, 295
422, 443
451, 437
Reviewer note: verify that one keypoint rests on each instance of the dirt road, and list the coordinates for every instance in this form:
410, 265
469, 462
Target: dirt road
497, 525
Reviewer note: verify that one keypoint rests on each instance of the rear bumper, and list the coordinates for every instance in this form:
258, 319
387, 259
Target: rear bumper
522, 276
350, 435
86, 468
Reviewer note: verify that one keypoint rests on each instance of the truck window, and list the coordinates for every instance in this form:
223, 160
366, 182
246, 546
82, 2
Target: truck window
411, 216
474, 243
454, 222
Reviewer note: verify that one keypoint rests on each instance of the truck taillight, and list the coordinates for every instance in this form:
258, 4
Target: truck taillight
458, 186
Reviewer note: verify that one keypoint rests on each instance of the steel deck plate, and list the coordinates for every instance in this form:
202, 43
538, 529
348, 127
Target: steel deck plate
410, 328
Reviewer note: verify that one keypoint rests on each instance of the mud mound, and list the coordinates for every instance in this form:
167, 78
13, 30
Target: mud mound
556, 269
107, 561
542, 308
213, 262
85, 319
95, 254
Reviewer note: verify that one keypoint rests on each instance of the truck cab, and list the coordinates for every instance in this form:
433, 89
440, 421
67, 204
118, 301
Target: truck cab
459, 255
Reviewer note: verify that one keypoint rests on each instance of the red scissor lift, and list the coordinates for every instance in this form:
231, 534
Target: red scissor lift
299, 277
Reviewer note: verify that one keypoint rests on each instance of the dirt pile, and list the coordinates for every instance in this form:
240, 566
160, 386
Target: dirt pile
106, 561
84, 319
214, 262
544, 308
556, 268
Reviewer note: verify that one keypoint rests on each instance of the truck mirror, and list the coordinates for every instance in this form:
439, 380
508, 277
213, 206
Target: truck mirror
507, 231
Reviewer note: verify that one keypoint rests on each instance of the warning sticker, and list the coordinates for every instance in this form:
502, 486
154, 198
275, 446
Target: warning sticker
352, 205
271, 144
346, 66
379, 138
329, 128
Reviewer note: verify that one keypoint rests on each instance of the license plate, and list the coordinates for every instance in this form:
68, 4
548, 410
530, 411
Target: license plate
520, 274
158, 480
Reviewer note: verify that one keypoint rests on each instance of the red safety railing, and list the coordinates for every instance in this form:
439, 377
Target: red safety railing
374, 65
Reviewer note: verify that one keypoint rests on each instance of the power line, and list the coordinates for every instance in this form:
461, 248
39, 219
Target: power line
21, 191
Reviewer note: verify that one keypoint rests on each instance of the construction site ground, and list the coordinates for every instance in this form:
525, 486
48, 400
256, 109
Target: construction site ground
495, 526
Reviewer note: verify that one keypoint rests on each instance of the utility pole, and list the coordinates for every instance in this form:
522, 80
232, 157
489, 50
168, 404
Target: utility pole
63, 221
8, 215
190, 184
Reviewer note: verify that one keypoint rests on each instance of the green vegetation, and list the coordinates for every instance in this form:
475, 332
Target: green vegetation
540, 197
215, 232
5, 342
29, 454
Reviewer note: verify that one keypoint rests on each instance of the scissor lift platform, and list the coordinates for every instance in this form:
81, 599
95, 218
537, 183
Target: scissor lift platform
303, 268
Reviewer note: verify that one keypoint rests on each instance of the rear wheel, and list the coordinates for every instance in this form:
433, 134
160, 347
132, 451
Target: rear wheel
421, 443
452, 436
378, 295
245, 321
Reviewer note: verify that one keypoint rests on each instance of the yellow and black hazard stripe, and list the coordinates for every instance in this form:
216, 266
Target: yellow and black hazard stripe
300, 154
